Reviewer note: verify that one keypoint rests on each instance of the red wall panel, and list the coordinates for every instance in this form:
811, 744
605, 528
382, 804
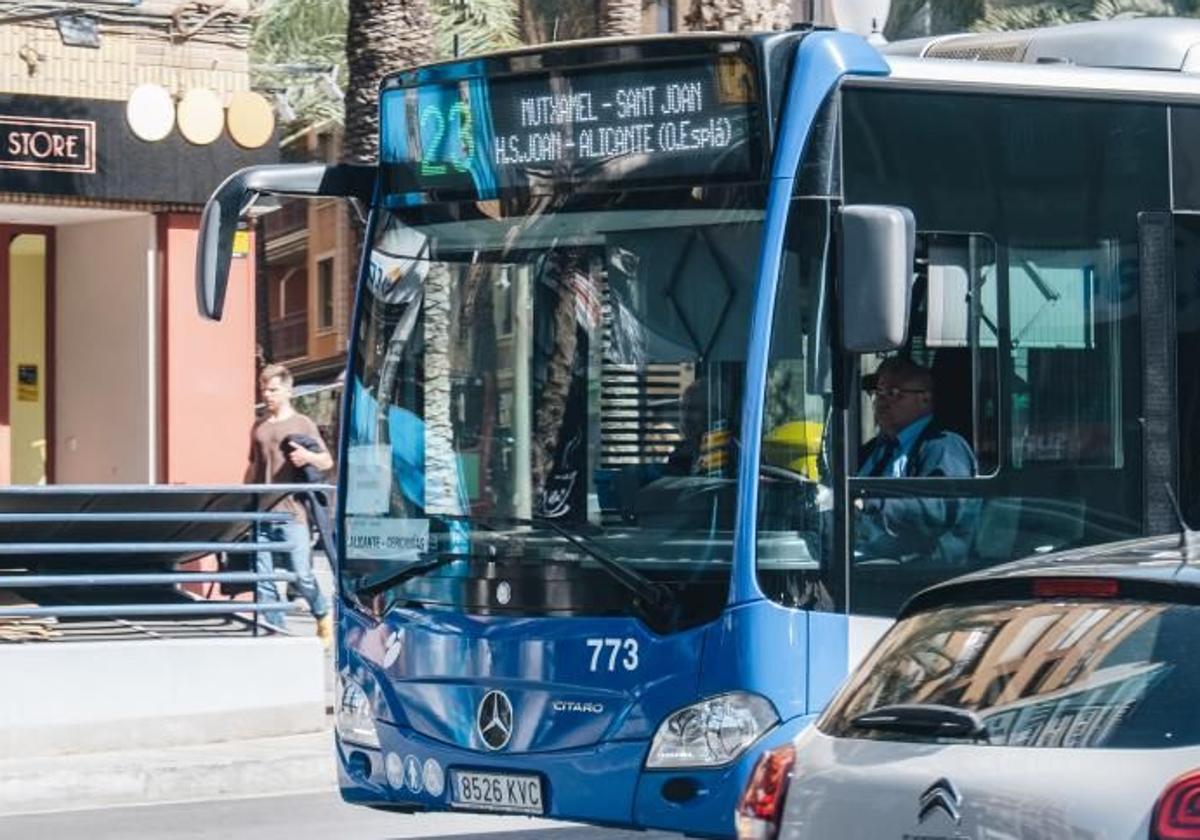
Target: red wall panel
207, 386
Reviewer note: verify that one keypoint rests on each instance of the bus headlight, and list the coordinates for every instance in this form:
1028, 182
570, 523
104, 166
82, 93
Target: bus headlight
712, 732
354, 720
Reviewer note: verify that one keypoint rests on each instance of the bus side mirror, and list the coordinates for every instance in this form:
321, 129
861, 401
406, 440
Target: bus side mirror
877, 245
225, 207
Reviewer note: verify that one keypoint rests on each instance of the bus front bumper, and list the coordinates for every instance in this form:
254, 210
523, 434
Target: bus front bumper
605, 784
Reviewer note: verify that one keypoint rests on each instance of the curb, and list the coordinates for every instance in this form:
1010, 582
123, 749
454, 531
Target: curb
290, 764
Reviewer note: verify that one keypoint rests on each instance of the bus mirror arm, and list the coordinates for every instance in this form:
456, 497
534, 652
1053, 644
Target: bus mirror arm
237, 194
876, 258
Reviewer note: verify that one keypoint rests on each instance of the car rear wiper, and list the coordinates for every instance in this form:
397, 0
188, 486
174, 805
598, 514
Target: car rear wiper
652, 597
923, 719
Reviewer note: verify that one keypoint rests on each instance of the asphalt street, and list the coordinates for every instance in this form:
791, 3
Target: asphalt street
316, 816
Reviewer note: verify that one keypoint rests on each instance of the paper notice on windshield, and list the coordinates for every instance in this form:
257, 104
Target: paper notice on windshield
369, 480
374, 538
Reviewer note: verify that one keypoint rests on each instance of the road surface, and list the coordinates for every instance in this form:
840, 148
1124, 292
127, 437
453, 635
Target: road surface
316, 816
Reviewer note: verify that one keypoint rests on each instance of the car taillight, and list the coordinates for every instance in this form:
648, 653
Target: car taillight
1075, 588
1177, 812
761, 806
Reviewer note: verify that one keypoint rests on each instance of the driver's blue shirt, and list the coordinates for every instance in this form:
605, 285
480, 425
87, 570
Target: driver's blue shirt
898, 460
901, 526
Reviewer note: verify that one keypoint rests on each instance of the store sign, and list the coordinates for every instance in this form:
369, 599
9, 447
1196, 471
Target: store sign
47, 145
85, 149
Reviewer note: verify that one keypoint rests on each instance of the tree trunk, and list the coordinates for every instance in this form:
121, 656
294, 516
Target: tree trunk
621, 17
441, 463
738, 15
382, 36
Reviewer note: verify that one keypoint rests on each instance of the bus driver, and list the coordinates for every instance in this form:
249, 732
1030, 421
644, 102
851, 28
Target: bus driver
911, 444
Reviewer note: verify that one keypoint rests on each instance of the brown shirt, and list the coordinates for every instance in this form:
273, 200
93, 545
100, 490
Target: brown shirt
268, 461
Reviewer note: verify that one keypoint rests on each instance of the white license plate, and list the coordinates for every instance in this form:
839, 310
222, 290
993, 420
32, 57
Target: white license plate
496, 792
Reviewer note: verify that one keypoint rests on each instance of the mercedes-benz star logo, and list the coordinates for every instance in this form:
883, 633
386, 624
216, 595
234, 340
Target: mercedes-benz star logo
940, 796
494, 720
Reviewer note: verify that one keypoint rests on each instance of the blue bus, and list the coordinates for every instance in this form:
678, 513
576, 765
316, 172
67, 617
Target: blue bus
605, 525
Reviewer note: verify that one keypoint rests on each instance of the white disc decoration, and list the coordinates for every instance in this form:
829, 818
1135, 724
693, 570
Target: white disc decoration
150, 113
201, 116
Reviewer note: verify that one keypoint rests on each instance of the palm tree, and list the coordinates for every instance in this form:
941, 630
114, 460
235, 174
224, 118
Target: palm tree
738, 15
382, 37
300, 50
913, 18
467, 27
1033, 15
293, 44
543, 21
621, 17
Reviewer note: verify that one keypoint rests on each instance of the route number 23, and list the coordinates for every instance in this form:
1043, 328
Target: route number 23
434, 124
626, 649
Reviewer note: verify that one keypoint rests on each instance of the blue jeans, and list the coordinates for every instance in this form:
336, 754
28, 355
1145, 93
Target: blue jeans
300, 561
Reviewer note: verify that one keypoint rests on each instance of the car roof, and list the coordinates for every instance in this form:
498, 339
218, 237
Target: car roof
1149, 564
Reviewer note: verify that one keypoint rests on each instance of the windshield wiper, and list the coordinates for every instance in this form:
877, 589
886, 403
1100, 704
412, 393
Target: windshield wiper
651, 594
923, 719
427, 563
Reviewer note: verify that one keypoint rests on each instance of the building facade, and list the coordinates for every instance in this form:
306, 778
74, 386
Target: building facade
117, 120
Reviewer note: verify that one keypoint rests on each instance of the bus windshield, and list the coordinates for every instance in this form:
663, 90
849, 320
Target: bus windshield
544, 405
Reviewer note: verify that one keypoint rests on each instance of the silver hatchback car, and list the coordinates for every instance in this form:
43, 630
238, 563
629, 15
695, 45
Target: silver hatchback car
1057, 697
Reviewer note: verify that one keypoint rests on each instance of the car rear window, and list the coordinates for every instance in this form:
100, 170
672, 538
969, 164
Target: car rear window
1082, 674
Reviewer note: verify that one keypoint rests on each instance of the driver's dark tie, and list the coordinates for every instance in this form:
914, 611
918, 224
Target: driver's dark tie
887, 450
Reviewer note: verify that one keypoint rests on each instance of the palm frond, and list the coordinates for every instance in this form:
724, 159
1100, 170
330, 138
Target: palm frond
481, 25
289, 41
1107, 9
1031, 16
1048, 13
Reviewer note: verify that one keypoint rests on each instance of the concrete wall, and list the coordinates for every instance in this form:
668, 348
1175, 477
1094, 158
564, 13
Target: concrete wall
77, 698
105, 348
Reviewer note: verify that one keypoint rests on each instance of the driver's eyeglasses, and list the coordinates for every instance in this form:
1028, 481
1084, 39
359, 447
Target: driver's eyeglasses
893, 393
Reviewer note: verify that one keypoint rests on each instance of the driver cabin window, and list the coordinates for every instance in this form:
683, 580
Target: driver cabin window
930, 410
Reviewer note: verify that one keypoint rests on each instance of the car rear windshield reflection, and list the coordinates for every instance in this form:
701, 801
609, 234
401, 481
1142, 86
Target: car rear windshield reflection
1081, 674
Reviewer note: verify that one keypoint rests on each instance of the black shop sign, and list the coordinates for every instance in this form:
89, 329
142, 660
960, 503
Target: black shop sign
47, 145
52, 145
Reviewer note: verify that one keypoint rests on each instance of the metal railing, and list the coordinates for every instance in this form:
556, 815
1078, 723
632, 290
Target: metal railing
114, 552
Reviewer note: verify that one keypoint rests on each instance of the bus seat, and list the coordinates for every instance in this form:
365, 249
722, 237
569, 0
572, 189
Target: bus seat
951, 372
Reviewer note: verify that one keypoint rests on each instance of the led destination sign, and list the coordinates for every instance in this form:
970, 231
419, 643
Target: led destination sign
679, 121
664, 118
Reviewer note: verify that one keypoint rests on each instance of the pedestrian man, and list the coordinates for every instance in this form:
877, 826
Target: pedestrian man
278, 457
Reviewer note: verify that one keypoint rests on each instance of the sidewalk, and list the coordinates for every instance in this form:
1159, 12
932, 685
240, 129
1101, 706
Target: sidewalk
151, 773
289, 764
